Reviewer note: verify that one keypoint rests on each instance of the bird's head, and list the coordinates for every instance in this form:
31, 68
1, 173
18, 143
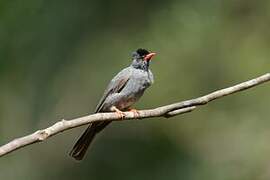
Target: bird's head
141, 59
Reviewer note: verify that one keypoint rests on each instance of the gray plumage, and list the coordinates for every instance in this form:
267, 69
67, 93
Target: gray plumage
122, 92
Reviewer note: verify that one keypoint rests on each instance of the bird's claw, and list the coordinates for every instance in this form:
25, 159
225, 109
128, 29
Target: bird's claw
119, 113
135, 112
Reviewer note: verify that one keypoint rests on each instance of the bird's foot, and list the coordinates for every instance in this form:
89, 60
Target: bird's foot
119, 113
135, 112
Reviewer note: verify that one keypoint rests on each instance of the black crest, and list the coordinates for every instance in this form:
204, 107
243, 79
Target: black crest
142, 52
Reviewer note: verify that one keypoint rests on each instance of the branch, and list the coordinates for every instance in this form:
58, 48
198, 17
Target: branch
163, 111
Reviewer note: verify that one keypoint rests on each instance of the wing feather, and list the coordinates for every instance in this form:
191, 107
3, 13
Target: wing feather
115, 86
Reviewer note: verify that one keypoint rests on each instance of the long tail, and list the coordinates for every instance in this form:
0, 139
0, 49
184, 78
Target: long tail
79, 149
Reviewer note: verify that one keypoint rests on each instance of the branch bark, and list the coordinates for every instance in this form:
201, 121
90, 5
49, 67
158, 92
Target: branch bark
163, 111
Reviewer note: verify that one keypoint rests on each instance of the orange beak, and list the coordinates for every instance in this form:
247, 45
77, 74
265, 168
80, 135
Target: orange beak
149, 56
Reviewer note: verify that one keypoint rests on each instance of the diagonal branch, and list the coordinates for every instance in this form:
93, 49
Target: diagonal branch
165, 111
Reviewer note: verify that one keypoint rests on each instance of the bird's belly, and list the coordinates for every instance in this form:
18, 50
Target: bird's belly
129, 97
126, 103
121, 100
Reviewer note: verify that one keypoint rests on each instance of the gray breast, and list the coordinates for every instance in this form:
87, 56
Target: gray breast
139, 81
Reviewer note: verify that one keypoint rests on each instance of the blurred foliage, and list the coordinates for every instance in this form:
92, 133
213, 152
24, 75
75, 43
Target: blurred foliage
56, 58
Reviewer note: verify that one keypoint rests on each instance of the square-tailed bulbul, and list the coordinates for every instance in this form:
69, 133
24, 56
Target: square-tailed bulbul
122, 92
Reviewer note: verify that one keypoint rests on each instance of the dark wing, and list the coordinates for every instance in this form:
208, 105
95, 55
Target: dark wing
115, 86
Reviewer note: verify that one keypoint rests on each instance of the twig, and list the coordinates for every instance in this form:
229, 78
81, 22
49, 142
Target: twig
165, 111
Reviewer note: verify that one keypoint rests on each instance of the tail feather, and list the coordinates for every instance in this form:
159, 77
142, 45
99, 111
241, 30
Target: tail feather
79, 149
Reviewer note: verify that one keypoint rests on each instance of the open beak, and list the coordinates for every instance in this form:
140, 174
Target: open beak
149, 56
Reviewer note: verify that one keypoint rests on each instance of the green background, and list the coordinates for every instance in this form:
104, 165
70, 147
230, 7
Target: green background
56, 58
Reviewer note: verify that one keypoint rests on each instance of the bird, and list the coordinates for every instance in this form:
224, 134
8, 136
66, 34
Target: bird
122, 92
